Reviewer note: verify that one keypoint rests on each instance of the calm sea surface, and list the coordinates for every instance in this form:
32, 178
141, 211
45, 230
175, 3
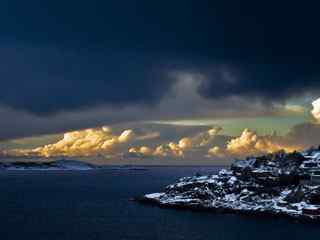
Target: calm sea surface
95, 204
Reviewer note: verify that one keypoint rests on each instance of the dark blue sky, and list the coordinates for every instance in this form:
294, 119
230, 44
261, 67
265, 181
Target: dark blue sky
66, 55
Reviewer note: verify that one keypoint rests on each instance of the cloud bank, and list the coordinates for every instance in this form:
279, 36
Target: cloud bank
202, 145
103, 141
88, 142
248, 143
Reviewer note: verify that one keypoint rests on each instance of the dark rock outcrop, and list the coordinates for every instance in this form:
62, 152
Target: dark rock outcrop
275, 184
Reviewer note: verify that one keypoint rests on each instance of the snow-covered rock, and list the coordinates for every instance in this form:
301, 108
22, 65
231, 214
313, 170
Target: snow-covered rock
274, 184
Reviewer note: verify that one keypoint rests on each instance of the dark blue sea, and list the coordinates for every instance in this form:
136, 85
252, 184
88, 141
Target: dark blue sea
89, 205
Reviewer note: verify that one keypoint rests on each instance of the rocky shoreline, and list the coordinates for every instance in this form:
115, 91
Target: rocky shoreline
281, 184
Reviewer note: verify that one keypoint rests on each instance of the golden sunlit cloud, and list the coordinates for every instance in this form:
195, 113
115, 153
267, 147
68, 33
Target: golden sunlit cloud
185, 144
86, 142
316, 109
249, 143
216, 151
144, 150
102, 141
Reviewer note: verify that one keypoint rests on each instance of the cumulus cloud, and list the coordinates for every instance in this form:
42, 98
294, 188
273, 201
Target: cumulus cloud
203, 144
85, 142
316, 109
206, 144
250, 143
143, 151
185, 143
204, 138
168, 150
199, 143
164, 150
126, 136
180, 148
216, 152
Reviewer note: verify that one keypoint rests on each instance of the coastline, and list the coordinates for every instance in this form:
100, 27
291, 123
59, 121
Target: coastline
281, 184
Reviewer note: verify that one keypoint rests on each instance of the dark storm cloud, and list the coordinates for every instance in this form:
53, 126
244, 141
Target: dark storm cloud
43, 80
64, 56
270, 82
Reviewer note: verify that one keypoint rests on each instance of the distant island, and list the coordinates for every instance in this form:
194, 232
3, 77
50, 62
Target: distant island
52, 165
282, 184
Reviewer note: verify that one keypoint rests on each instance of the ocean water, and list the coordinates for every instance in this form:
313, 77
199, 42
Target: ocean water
89, 205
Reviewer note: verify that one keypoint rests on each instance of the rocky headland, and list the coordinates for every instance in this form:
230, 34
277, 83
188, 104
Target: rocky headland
280, 184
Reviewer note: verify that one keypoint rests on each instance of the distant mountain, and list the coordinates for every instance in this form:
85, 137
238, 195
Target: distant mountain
53, 165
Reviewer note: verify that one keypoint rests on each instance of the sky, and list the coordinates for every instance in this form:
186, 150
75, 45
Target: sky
169, 82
